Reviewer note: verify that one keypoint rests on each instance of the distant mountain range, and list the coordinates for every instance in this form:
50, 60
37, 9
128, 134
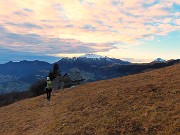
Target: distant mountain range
159, 60
18, 76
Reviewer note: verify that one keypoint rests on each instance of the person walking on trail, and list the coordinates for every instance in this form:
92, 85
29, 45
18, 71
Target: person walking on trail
49, 87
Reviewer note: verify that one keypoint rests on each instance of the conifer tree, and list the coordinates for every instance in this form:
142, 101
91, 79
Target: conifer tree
51, 75
55, 72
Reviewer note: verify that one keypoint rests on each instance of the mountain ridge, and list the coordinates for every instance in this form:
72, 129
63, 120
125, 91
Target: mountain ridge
90, 55
159, 60
27, 72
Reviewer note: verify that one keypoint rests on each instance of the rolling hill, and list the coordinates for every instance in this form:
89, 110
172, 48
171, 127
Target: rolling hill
142, 104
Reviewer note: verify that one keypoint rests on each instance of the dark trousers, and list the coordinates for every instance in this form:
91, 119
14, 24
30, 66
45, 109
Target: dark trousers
48, 92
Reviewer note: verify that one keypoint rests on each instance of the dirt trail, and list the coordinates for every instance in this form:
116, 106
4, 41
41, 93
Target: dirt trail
35, 117
46, 115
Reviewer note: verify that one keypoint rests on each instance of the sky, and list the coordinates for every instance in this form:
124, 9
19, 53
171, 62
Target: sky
133, 30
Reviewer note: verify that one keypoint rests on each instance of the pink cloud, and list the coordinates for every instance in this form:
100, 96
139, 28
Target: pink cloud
125, 21
176, 1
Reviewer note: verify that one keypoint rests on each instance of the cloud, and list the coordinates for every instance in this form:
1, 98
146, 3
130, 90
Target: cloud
43, 45
26, 25
78, 26
176, 1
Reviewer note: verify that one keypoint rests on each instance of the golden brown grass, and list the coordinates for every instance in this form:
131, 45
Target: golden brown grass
147, 104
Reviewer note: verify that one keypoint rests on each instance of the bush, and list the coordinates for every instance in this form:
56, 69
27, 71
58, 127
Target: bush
38, 88
9, 98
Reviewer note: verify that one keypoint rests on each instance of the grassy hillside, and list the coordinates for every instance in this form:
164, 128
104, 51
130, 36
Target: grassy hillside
147, 104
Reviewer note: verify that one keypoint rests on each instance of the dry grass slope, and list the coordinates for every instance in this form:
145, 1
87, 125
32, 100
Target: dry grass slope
147, 104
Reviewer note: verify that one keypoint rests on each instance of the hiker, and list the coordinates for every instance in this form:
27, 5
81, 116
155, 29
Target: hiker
49, 87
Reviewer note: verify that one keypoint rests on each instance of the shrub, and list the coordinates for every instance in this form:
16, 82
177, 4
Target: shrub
38, 88
6, 99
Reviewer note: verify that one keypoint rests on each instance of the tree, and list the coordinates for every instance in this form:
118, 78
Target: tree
56, 72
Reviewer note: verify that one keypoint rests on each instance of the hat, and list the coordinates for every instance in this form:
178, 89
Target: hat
48, 79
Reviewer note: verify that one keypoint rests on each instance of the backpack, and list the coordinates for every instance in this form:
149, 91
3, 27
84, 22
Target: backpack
49, 85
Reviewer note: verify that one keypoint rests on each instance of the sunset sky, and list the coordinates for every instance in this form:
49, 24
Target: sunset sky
134, 30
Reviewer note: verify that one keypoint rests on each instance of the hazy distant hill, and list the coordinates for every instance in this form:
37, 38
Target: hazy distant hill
23, 68
122, 70
142, 104
18, 76
159, 60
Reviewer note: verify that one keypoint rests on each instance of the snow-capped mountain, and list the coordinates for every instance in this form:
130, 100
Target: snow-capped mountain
92, 59
98, 60
94, 56
159, 60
